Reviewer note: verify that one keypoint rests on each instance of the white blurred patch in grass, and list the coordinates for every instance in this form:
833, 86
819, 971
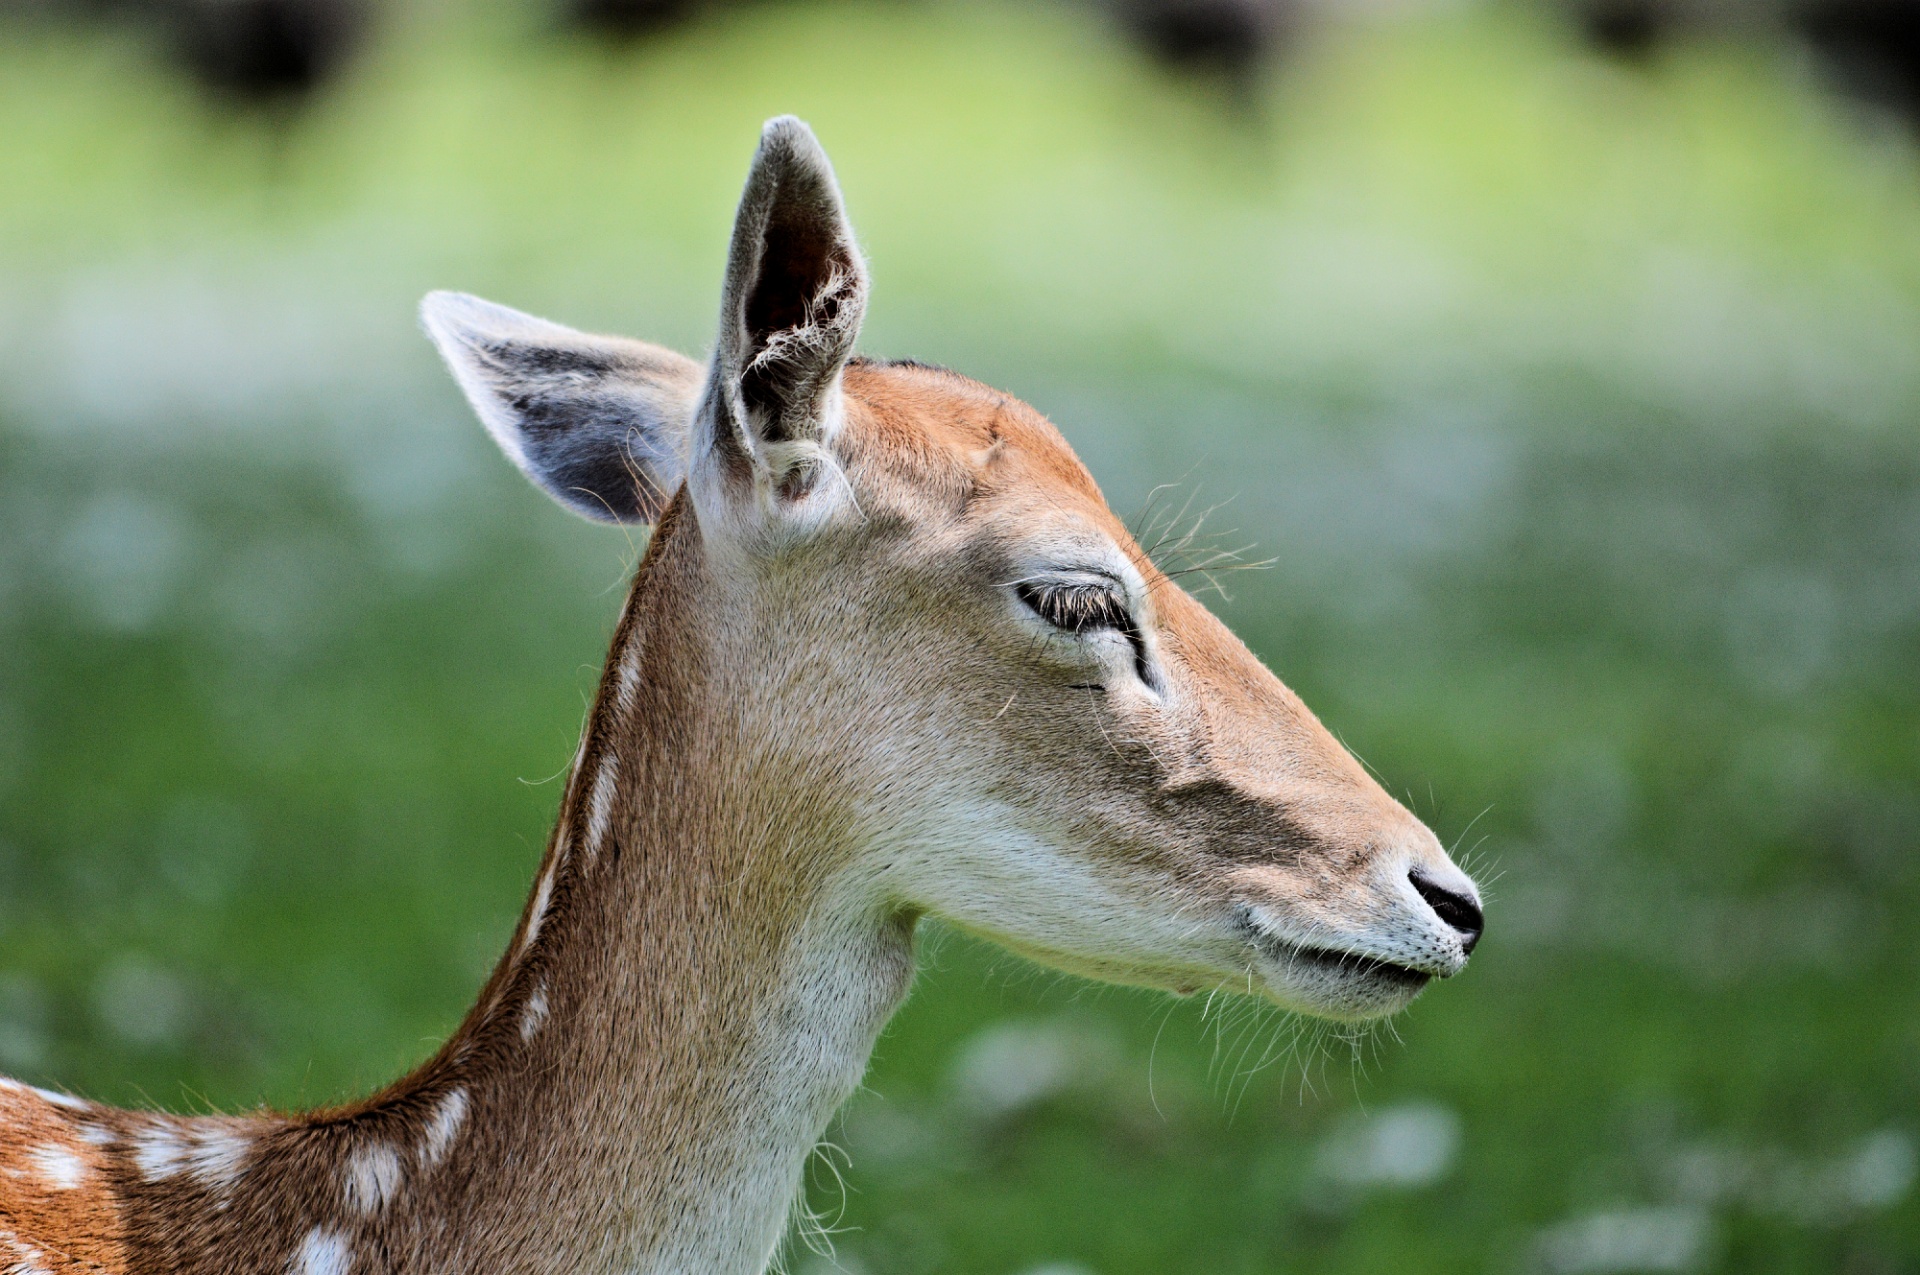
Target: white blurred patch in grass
123, 555
141, 1004
1010, 1067
1628, 1242
1879, 1171
1873, 1173
887, 1133
1402, 1147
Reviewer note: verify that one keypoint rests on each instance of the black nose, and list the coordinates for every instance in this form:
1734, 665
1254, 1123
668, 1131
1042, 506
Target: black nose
1461, 911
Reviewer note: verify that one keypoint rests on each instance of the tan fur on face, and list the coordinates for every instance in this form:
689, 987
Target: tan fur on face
1214, 791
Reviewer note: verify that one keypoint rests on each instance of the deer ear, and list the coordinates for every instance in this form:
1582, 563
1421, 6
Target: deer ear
795, 292
599, 422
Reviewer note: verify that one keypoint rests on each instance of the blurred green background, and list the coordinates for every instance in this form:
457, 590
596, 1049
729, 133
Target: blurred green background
1575, 396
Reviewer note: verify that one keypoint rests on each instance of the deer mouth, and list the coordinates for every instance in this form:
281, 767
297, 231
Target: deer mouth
1335, 962
1310, 964
1349, 965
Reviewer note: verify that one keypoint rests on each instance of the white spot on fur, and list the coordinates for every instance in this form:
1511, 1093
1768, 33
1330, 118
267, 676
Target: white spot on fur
322, 1252
96, 1135
66, 1100
62, 1168
373, 1177
600, 804
535, 1013
541, 897
629, 683
218, 1154
158, 1150
444, 1127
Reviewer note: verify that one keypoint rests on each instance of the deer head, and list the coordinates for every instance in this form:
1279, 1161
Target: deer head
942, 664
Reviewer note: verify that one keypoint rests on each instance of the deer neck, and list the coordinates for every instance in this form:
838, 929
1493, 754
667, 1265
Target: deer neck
696, 986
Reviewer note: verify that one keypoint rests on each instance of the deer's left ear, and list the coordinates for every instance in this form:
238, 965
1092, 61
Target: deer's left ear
598, 422
795, 292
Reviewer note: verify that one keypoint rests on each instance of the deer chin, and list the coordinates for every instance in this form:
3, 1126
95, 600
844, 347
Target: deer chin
1330, 980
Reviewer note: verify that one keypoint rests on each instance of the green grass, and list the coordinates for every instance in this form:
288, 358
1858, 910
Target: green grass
1576, 404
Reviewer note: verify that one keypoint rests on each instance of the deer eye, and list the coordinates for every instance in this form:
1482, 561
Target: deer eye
1077, 606
1089, 605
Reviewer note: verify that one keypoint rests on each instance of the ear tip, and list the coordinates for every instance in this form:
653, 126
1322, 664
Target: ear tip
788, 144
443, 300
441, 311
462, 318
787, 130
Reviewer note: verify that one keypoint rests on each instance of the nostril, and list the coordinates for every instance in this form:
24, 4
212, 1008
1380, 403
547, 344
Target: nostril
1461, 911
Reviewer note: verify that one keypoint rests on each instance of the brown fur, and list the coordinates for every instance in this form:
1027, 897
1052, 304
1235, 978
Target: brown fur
43, 1221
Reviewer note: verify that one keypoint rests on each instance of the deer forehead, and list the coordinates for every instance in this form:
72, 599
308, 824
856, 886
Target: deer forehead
950, 439
954, 474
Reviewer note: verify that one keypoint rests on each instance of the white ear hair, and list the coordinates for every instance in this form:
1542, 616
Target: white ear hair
600, 423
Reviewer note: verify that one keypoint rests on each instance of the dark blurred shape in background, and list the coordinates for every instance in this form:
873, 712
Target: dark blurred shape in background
1868, 49
1872, 48
1230, 38
631, 19
249, 51
263, 50
1629, 29
280, 51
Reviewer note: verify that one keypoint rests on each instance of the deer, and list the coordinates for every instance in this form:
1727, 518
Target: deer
886, 656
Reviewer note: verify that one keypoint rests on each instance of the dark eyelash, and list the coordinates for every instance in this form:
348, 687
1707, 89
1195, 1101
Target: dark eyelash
1085, 608
1077, 608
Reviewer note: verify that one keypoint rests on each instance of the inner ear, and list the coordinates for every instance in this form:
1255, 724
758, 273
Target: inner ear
797, 260
792, 315
598, 422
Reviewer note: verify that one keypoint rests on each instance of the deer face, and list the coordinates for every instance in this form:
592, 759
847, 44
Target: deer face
1021, 723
